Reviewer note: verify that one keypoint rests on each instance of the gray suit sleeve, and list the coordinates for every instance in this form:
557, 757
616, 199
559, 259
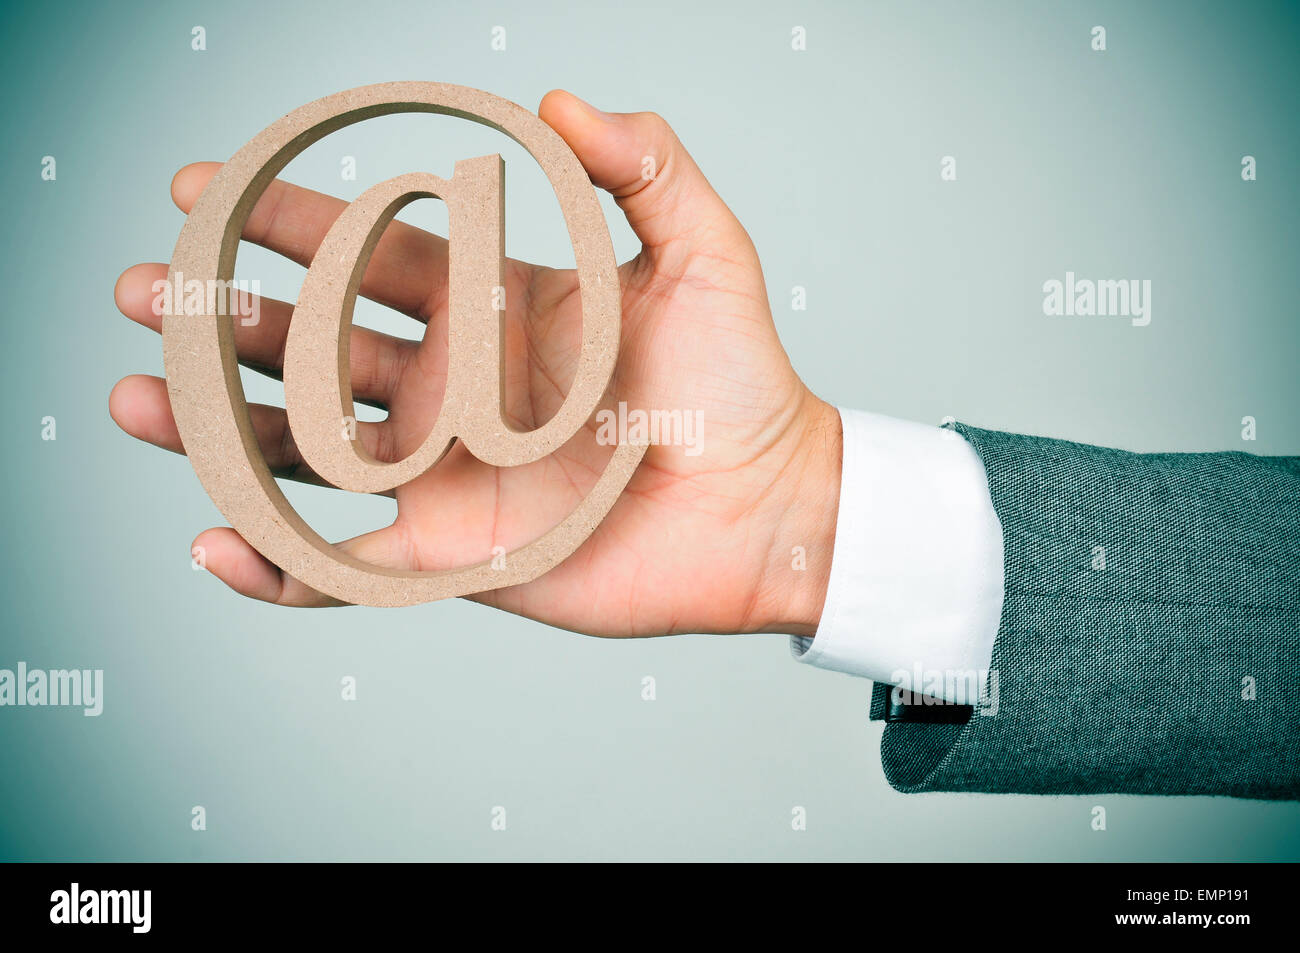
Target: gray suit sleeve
1150, 634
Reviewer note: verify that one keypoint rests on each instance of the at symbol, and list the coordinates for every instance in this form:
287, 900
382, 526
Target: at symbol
207, 397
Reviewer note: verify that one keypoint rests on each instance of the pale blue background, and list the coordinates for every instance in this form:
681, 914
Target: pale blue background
924, 301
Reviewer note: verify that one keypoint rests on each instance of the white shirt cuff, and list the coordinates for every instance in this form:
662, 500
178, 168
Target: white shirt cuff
915, 592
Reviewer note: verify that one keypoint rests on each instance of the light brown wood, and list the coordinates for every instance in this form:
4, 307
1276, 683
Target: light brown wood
207, 397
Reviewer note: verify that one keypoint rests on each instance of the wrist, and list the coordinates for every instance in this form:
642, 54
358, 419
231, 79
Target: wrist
805, 507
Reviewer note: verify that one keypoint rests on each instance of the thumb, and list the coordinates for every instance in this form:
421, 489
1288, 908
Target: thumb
637, 158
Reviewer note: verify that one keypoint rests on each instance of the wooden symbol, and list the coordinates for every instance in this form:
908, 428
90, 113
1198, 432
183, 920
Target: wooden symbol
202, 369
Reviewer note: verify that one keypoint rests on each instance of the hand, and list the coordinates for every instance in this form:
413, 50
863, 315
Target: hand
698, 543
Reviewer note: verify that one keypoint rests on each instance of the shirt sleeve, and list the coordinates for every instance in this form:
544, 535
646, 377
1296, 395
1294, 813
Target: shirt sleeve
916, 588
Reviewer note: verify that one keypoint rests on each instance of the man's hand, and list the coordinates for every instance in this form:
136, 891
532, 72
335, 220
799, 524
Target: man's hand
696, 543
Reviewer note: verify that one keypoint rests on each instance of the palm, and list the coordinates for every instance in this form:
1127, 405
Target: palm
679, 512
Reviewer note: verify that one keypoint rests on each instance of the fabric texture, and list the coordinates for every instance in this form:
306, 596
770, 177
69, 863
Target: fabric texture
1150, 633
916, 575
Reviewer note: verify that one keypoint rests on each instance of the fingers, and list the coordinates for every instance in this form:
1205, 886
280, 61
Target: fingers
408, 270
225, 554
230, 558
377, 360
139, 405
638, 159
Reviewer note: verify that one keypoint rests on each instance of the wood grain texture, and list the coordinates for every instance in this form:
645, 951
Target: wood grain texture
202, 369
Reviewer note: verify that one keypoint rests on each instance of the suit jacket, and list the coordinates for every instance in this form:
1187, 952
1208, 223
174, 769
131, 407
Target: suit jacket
1150, 634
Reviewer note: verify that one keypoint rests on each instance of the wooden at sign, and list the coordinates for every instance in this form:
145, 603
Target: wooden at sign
202, 369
